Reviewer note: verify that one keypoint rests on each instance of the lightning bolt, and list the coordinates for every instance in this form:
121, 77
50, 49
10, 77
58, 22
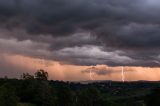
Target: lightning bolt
91, 77
122, 73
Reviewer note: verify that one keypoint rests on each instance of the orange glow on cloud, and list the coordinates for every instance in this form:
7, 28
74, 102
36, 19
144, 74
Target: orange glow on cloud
59, 71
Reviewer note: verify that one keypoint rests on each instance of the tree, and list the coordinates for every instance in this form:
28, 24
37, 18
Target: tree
8, 96
153, 98
89, 97
64, 96
41, 75
36, 89
27, 89
44, 95
26, 76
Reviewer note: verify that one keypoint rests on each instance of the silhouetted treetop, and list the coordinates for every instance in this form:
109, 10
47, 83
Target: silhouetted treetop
41, 75
26, 76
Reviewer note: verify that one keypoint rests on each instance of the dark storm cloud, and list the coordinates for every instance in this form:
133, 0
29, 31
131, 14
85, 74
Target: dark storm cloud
62, 17
118, 22
134, 36
100, 70
51, 16
131, 27
105, 70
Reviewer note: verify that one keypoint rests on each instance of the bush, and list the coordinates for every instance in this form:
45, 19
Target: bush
8, 96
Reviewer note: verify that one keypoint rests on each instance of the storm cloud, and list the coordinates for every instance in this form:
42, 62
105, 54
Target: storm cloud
100, 70
112, 32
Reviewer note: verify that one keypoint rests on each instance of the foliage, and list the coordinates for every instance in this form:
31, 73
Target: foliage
153, 98
41, 75
26, 104
26, 76
8, 96
37, 90
64, 96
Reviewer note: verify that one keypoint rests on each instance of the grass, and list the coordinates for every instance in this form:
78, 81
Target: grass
26, 104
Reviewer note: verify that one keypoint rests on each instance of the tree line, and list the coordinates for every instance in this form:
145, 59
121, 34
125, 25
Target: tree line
36, 90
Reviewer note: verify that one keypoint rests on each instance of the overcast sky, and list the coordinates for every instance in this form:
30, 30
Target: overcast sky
82, 32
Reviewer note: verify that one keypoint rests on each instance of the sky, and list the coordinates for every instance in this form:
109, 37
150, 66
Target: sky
69, 37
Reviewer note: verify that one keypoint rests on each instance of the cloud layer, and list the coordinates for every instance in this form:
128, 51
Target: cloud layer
113, 32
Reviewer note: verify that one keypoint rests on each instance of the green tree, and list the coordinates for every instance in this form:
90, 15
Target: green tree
36, 89
153, 98
8, 96
64, 96
89, 97
27, 90
44, 95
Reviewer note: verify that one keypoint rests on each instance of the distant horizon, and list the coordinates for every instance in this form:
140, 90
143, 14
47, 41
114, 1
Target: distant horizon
88, 81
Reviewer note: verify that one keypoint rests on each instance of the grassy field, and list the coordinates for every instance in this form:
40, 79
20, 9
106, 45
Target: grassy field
26, 104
